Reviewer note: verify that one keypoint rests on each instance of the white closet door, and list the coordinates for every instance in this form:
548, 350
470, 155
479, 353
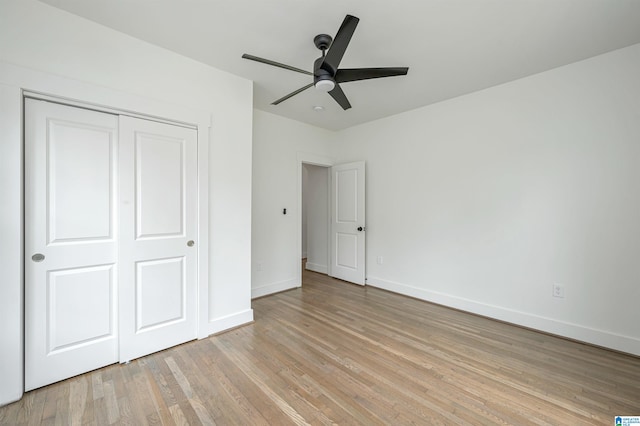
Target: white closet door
158, 254
70, 241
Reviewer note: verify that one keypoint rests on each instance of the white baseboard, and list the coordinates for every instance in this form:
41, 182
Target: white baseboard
572, 331
267, 289
315, 267
228, 322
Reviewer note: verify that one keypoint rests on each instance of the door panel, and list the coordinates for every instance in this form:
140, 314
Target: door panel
67, 325
80, 181
157, 220
348, 222
347, 253
70, 220
346, 195
160, 293
160, 173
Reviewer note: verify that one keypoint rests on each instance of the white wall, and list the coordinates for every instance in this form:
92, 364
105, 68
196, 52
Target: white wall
277, 144
51, 42
484, 201
316, 195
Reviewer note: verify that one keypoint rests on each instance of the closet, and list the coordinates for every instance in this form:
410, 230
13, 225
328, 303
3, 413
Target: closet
110, 227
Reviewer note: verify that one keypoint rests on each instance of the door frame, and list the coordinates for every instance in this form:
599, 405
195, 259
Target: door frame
15, 81
314, 160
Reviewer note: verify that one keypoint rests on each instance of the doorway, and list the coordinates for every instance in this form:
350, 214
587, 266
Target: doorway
345, 218
315, 218
306, 160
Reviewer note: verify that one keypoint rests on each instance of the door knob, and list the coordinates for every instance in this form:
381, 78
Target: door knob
38, 257
360, 228
190, 243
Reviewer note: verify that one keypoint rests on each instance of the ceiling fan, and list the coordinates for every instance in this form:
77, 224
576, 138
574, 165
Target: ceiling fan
326, 74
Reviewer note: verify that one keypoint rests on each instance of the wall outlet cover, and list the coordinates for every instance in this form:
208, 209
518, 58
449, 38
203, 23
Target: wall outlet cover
558, 291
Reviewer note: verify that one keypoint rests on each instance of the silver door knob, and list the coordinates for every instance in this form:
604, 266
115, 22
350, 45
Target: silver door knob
190, 243
38, 257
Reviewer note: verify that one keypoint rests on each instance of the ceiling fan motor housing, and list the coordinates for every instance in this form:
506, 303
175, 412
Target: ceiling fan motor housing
322, 79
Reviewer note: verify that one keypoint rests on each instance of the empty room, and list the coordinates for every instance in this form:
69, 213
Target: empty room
290, 212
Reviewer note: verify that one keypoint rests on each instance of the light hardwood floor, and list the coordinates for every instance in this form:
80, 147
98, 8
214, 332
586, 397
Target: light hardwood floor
333, 352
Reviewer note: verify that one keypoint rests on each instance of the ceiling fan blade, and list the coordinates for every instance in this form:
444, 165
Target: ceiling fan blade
340, 97
355, 74
284, 98
339, 44
275, 64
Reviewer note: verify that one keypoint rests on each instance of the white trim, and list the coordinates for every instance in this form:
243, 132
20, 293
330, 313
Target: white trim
101, 108
204, 139
316, 160
329, 221
572, 331
268, 289
218, 325
315, 267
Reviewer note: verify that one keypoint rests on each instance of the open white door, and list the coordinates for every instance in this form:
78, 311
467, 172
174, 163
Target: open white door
157, 249
348, 222
70, 241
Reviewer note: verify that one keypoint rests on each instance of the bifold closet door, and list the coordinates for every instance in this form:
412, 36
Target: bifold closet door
157, 247
70, 241
110, 227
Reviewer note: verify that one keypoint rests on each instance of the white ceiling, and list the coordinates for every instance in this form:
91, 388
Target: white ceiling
451, 47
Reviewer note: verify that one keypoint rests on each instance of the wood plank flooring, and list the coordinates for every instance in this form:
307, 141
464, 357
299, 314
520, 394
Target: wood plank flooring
336, 353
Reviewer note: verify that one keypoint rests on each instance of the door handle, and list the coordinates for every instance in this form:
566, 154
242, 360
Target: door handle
38, 257
360, 229
190, 243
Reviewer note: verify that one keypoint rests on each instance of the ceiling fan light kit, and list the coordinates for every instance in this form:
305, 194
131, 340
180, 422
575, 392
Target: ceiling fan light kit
326, 74
325, 85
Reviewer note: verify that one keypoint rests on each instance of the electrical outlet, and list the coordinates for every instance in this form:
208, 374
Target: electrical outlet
558, 291
380, 260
